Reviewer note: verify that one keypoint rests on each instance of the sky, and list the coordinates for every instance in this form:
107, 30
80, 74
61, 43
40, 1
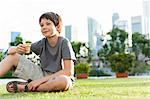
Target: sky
23, 15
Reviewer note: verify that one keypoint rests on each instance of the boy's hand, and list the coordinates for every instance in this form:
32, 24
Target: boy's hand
21, 49
12, 50
36, 83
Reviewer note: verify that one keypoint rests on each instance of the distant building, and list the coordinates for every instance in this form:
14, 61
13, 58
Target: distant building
14, 35
136, 24
71, 33
68, 32
94, 32
115, 18
146, 16
122, 24
99, 41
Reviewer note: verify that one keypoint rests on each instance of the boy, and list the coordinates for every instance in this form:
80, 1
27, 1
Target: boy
56, 56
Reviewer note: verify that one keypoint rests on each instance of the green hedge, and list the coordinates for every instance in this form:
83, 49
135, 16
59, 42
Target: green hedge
100, 73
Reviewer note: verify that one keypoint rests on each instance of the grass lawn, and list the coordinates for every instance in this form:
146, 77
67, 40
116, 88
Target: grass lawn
112, 88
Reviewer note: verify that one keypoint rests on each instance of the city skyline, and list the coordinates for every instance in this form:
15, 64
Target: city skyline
22, 15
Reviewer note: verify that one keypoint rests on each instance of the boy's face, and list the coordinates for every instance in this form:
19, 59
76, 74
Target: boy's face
48, 28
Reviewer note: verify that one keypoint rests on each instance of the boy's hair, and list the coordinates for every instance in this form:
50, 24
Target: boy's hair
54, 17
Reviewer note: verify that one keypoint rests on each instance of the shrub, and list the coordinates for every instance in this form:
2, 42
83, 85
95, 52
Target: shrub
82, 68
139, 67
121, 62
100, 73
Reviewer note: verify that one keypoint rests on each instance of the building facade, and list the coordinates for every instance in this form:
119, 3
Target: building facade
68, 32
94, 35
115, 18
146, 17
136, 24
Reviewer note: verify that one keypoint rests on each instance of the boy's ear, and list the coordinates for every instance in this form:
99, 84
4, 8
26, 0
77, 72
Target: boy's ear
58, 28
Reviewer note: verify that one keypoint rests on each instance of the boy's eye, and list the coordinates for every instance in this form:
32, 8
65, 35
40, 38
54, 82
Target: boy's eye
48, 23
41, 25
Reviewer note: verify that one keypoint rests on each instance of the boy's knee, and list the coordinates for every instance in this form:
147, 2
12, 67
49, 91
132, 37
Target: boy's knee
66, 82
61, 82
14, 58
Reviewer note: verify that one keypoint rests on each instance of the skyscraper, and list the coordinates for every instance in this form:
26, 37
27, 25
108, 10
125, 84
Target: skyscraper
71, 32
146, 16
68, 31
136, 24
115, 18
94, 35
122, 24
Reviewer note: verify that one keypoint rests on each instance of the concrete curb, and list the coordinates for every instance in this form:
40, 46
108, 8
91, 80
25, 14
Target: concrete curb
5, 81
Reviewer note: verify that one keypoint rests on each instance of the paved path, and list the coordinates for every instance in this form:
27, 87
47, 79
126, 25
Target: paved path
107, 77
5, 81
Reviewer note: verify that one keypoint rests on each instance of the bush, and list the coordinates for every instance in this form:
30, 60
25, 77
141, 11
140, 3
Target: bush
121, 62
139, 67
92, 72
100, 73
81, 68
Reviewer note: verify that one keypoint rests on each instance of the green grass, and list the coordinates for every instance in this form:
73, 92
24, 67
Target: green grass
112, 88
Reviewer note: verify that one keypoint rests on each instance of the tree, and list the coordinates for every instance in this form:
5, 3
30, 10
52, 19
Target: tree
17, 41
140, 45
115, 45
103, 53
117, 42
77, 47
146, 49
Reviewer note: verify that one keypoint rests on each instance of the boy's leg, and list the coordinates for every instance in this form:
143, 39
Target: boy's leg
26, 69
60, 83
7, 63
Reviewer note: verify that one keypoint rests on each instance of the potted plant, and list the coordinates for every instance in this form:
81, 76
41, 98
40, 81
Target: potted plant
82, 70
121, 64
